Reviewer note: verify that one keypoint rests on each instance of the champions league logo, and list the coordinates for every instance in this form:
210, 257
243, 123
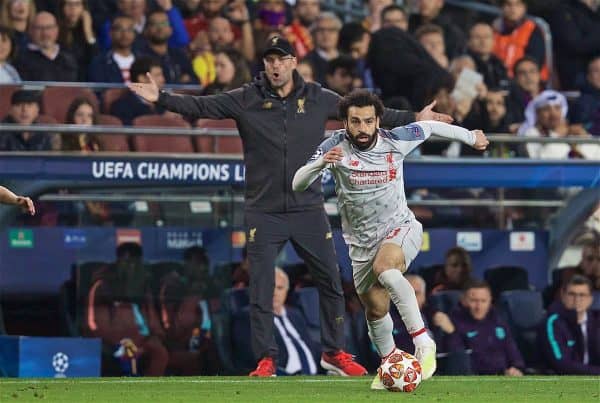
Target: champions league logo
60, 363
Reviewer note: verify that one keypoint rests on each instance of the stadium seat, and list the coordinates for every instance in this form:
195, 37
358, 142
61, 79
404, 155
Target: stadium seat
112, 142
445, 301
6, 92
85, 274
111, 95
429, 273
219, 144
158, 143
596, 304
334, 125
236, 299
47, 120
56, 100
506, 278
524, 312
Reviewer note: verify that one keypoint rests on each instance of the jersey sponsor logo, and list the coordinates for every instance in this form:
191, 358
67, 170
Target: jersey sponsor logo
267, 105
252, 235
301, 106
328, 235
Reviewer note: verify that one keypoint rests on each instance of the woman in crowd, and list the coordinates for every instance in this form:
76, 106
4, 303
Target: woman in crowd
81, 112
456, 272
8, 74
76, 32
18, 15
231, 72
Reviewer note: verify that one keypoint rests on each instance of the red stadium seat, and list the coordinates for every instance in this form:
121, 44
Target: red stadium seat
56, 100
47, 119
218, 144
6, 92
111, 95
334, 125
173, 144
112, 142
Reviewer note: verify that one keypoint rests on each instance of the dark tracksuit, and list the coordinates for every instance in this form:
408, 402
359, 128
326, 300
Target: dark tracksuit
494, 349
278, 136
562, 343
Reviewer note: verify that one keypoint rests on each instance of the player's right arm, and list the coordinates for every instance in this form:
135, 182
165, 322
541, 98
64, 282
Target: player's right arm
326, 156
220, 106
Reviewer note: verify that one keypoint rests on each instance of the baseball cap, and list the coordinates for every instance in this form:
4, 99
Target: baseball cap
25, 96
277, 44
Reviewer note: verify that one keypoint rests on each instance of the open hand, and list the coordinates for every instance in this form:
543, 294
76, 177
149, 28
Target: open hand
148, 92
481, 142
427, 113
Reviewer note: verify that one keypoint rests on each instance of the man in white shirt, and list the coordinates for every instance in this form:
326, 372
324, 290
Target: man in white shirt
382, 233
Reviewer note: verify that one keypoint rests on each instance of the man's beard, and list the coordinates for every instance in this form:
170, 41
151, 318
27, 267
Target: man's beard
360, 145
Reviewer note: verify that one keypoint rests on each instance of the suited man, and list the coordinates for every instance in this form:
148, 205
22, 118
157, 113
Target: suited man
297, 351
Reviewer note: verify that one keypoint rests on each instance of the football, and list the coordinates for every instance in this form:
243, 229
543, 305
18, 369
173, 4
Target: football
400, 372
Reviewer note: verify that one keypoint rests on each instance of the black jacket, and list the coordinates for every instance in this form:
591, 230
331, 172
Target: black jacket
13, 141
278, 135
32, 65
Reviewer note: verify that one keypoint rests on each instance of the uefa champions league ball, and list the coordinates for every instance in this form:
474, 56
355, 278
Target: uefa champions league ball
400, 372
60, 362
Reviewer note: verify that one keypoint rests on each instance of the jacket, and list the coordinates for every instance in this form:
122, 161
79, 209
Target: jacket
33, 65
278, 135
104, 69
562, 343
13, 141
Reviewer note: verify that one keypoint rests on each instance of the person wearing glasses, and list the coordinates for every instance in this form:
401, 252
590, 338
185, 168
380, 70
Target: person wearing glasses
281, 120
569, 338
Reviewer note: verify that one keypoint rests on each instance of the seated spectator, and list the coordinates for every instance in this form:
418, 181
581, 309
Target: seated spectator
114, 66
269, 16
120, 311
81, 112
480, 47
518, 36
586, 111
432, 38
76, 33
496, 118
130, 106
306, 71
43, 59
477, 326
430, 12
297, 352
137, 11
570, 335
185, 316
175, 63
18, 17
394, 16
354, 41
231, 72
298, 32
25, 110
575, 26
546, 117
325, 33
197, 14
341, 75
373, 20
8, 74
526, 86
456, 273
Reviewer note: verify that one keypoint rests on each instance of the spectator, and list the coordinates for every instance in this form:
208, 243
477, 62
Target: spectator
44, 60
81, 112
306, 71
354, 41
76, 33
431, 37
517, 36
114, 66
325, 32
456, 272
341, 75
477, 326
297, 352
24, 110
197, 15
129, 106
185, 316
527, 85
589, 266
586, 111
18, 16
306, 13
231, 72
175, 64
575, 28
373, 20
137, 10
430, 12
546, 117
480, 47
271, 16
8, 74
495, 114
394, 16
120, 311
570, 335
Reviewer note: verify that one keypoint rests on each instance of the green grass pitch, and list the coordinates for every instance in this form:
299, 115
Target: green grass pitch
299, 389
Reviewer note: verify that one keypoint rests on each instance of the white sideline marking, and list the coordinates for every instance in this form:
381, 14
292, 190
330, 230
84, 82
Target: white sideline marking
289, 379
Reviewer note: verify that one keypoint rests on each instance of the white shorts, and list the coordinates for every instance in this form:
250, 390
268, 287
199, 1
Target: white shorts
408, 236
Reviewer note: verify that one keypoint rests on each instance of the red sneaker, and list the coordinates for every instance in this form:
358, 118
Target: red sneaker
266, 367
341, 363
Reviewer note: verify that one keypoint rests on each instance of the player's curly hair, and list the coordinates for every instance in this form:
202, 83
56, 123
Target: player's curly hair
359, 98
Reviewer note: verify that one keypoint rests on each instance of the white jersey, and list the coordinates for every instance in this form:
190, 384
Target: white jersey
370, 183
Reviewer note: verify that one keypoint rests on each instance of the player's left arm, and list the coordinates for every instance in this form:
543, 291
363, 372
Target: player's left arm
326, 155
8, 197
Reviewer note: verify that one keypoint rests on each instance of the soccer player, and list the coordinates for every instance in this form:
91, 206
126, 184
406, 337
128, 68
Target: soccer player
8, 197
382, 233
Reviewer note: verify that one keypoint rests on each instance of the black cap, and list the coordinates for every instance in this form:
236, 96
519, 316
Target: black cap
277, 44
25, 96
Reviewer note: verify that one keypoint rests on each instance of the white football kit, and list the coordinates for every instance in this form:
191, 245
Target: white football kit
370, 191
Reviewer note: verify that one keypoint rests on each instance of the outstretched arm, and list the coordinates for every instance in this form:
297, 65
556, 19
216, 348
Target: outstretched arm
8, 197
416, 133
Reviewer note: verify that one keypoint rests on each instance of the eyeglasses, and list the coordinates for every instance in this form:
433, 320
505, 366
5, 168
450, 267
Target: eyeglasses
159, 24
581, 295
276, 59
44, 27
122, 29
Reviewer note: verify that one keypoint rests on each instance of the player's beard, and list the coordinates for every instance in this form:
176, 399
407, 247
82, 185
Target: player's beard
363, 145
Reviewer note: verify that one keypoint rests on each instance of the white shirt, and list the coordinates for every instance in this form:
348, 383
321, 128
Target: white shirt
287, 332
557, 150
124, 63
583, 326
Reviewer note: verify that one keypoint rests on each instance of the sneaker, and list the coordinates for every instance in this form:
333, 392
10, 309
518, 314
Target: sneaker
426, 356
265, 368
341, 363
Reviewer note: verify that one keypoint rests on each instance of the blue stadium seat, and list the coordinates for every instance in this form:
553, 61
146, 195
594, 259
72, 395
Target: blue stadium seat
505, 278
524, 311
596, 304
307, 300
445, 301
236, 299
